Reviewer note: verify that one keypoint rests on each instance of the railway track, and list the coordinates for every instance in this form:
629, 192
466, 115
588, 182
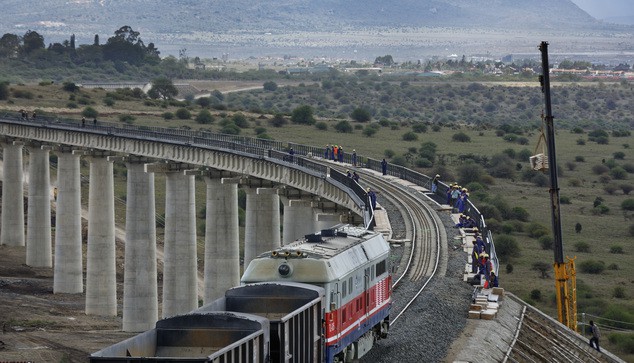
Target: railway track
423, 257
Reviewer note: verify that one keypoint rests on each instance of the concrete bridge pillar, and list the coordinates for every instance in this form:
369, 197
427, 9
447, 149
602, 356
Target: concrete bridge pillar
12, 229
299, 220
326, 220
68, 272
38, 234
262, 224
140, 291
222, 253
180, 278
101, 282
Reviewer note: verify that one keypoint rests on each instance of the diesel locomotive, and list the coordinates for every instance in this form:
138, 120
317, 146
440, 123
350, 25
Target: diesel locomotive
323, 298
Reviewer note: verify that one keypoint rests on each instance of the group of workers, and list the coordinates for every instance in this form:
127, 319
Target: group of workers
481, 265
336, 153
457, 197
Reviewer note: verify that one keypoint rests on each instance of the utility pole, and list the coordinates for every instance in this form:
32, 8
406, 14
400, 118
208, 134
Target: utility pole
566, 295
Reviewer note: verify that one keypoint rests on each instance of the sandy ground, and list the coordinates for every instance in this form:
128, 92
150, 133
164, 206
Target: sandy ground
39, 326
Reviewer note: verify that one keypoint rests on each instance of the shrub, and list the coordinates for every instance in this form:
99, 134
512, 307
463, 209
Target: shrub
278, 120
600, 210
627, 188
360, 115
419, 128
619, 155
303, 115
520, 214
240, 120
571, 165
167, 115
89, 112
582, 247
506, 247
542, 267
581, 142
616, 249
613, 267
580, 159
546, 242
410, 136
536, 230
624, 342
321, 126
618, 292
343, 127
618, 173
610, 188
18, 93
536, 294
628, 204
600, 169
204, 117
71, 105
108, 101
389, 153
69, 87
461, 137
269, 86
629, 167
369, 131
564, 200
509, 268
183, 114
592, 267
128, 119
574, 183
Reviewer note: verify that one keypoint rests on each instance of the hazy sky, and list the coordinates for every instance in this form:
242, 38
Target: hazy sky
605, 8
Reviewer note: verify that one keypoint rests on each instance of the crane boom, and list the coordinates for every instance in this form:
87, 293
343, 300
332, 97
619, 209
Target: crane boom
564, 271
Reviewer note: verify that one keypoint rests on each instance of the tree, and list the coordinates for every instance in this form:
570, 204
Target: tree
96, 40
269, 86
360, 115
9, 46
125, 46
162, 88
386, 60
32, 41
72, 41
303, 115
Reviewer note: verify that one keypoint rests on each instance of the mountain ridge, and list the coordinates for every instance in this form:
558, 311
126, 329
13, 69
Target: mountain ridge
239, 21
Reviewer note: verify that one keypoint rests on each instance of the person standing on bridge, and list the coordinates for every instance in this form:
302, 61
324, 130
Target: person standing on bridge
596, 334
434, 183
384, 166
354, 157
83, 122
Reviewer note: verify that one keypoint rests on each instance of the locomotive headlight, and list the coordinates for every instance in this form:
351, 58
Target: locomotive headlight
284, 270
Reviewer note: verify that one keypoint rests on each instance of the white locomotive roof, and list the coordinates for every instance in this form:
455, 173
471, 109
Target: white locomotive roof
329, 259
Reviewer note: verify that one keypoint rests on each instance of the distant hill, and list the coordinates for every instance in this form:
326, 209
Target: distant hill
200, 21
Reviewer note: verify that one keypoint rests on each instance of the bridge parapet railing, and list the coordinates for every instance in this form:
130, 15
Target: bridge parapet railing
261, 148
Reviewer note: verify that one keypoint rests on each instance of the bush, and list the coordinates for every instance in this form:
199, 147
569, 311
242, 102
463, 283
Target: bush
616, 249
344, 127
360, 115
613, 267
128, 119
564, 200
542, 267
536, 230
618, 173
69, 87
419, 128
278, 120
461, 137
321, 126
619, 155
600, 169
204, 117
410, 136
506, 247
580, 159
89, 112
303, 115
624, 342
627, 188
536, 294
509, 268
546, 242
600, 210
18, 93
167, 115
582, 247
108, 101
269, 86
619, 292
520, 214
592, 267
183, 114
610, 188
240, 120
628, 204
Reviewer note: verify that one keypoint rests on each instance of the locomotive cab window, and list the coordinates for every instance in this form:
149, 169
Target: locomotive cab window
344, 290
381, 268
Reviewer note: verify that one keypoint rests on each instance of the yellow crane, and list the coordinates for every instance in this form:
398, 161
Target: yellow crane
565, 274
